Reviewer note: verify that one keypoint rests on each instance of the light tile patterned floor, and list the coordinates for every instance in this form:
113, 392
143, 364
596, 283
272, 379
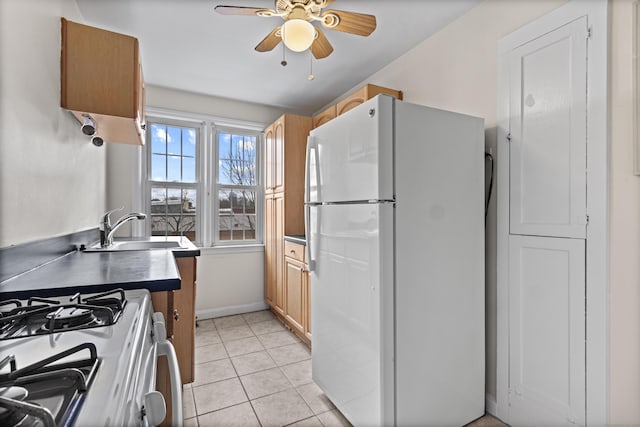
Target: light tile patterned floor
251, 371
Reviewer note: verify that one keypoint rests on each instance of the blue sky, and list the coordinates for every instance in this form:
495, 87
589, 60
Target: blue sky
173, 155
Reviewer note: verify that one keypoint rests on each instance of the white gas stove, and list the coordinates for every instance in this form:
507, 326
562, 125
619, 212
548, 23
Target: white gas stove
85, 361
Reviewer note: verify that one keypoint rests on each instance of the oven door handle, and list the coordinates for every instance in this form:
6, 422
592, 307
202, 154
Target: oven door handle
165, 348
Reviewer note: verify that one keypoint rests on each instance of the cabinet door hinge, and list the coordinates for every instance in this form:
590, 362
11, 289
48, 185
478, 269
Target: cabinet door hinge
588, 32
509, 137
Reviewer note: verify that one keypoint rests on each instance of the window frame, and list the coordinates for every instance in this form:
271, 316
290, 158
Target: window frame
150, 183
207, 222
216, 187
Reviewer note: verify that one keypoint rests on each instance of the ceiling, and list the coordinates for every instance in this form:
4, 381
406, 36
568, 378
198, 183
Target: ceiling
186, 45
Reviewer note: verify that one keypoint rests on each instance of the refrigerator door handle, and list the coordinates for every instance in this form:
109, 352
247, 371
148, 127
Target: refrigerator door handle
307, 196
307, 226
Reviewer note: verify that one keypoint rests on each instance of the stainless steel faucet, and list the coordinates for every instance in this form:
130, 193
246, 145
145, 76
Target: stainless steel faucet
106, 233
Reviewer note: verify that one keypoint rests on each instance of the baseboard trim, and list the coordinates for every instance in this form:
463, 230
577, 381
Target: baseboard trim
491, 405
211, 313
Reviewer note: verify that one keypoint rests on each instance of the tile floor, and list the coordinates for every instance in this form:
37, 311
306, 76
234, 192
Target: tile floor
251, 371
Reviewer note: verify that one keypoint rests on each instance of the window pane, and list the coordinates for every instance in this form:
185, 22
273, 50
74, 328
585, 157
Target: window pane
224, 145
173, 212
158, 211
236, 159
236, 147
174, 168
158, 139
237, 217
181, 162
250, 148
250, 202
174, 140
188, 142
188, 169
224, 171
158, 167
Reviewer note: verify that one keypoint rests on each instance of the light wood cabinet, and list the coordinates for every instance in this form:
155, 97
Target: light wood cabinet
184, 318
269, 165
285, 146
101, 76
273, 250
363, 94
324, 116
294, 284
178, 309
270, 251
279, 217
298, 298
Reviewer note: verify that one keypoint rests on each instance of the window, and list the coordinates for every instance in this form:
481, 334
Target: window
203, 181
237, 186
173, 184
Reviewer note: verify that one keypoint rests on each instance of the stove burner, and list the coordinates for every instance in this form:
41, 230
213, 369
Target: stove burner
42, 316
48, 392
69, 317
8, 416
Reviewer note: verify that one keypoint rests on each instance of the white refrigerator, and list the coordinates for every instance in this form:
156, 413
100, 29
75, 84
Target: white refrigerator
394, 214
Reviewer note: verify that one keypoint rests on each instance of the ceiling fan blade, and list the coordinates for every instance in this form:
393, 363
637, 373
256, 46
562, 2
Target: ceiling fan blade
240, 10
269, 42
321, 48
349, 22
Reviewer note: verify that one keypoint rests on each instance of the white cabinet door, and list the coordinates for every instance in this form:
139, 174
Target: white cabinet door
548, 93
546, 331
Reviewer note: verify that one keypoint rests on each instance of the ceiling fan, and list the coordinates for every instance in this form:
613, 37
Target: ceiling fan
297, 32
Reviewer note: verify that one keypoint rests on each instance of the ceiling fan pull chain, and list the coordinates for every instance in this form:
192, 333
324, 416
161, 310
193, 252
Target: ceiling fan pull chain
310, 76
284, 61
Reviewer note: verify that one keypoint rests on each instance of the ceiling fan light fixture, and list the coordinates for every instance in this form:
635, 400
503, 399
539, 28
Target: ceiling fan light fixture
298, 34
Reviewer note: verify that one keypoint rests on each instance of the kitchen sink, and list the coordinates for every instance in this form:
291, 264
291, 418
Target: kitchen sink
136, 245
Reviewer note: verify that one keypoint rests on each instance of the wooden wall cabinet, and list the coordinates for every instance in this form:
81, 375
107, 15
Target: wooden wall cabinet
363, 94
101, 76
178, 308
324, 116
285, 149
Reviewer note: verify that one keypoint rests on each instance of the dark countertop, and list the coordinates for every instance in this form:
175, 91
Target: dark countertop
155, 270
296, 238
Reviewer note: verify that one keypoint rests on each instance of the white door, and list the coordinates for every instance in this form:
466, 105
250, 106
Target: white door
547, 228
548, 125
352, 279
547, 329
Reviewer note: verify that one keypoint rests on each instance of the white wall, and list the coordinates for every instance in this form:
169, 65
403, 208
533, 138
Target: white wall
624, 214
210, 105
52, 179
227, 283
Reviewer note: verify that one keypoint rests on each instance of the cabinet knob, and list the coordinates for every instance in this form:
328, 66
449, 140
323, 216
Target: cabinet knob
176, 315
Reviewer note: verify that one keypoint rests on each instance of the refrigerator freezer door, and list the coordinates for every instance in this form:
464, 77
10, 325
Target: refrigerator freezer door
351, 157
352, 309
